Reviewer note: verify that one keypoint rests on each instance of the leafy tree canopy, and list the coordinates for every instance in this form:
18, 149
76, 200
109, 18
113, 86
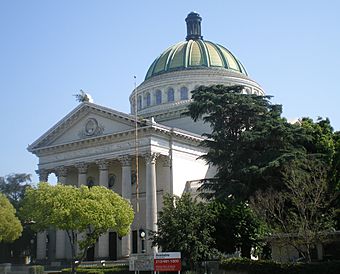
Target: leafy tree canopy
250, 142
301, 214
185, 225
91, 211
236, 227
10, 226
13, 186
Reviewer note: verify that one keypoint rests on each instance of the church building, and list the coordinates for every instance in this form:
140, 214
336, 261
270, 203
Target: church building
142, 155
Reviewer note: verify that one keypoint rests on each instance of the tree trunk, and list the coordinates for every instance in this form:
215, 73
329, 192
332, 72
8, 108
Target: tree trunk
72, 238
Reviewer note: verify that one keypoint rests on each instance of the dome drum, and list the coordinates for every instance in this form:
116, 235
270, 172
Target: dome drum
177, 80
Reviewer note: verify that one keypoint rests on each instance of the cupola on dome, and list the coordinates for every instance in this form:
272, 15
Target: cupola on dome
195, 53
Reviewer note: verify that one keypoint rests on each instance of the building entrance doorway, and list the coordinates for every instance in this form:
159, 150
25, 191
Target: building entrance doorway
113, 246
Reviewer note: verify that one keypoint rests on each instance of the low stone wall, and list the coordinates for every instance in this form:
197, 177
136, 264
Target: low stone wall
20, 269
5, 268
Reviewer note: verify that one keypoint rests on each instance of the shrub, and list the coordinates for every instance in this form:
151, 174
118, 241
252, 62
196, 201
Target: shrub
269, 267
99, 270
36, 269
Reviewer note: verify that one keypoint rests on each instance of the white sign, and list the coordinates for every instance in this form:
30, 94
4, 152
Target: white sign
167, 255
141, 262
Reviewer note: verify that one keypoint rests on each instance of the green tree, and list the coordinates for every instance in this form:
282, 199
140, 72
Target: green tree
13, 186
250, 143
324, 144
236, 227
301, 214
185, 225
10, 226
90, 212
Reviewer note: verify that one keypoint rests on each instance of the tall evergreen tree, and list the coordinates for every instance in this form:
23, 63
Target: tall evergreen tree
250, 142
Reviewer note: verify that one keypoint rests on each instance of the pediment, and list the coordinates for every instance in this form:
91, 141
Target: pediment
88, 120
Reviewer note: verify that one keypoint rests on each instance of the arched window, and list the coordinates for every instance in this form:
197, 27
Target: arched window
139, 102
171, 95
147, 99
184, 93
158, 97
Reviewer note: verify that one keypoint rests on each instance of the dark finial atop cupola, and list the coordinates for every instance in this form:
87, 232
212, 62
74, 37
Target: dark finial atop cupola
193, 21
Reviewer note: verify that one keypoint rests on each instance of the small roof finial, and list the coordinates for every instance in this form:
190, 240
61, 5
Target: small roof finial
193, 21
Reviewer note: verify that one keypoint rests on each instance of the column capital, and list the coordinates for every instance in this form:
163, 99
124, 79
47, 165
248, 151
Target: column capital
82, 167
61, 171
103, 164
166, 161
43, 174
125, 160
150, 157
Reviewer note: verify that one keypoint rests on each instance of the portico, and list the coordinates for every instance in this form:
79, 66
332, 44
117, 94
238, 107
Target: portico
108, 159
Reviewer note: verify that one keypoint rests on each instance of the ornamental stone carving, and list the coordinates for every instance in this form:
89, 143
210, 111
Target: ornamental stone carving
91, 128
103, 164
150, 158
43, 174
166, 161
82, 167
61, 171
125, 160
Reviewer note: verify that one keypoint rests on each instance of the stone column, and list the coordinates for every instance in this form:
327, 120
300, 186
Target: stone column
103, 172
60, 244
167, 175
41, 245
60, 252
151, 199
102, 246
43, 175
82, 170
61, 173
126, 193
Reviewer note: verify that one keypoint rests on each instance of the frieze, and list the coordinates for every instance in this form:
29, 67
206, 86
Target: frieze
105, 144
91, 152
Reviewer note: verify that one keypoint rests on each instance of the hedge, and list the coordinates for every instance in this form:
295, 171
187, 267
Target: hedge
99, 270
36, 269
269, 267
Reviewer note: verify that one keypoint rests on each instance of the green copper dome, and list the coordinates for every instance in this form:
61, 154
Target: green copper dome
195, 53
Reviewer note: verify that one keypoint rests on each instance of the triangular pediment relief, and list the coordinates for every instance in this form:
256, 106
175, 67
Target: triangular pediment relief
88, 120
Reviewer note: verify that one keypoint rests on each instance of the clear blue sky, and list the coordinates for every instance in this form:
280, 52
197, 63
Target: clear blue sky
49, 50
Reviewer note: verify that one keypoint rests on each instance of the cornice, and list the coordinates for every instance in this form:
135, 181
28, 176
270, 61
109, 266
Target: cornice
129, 135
